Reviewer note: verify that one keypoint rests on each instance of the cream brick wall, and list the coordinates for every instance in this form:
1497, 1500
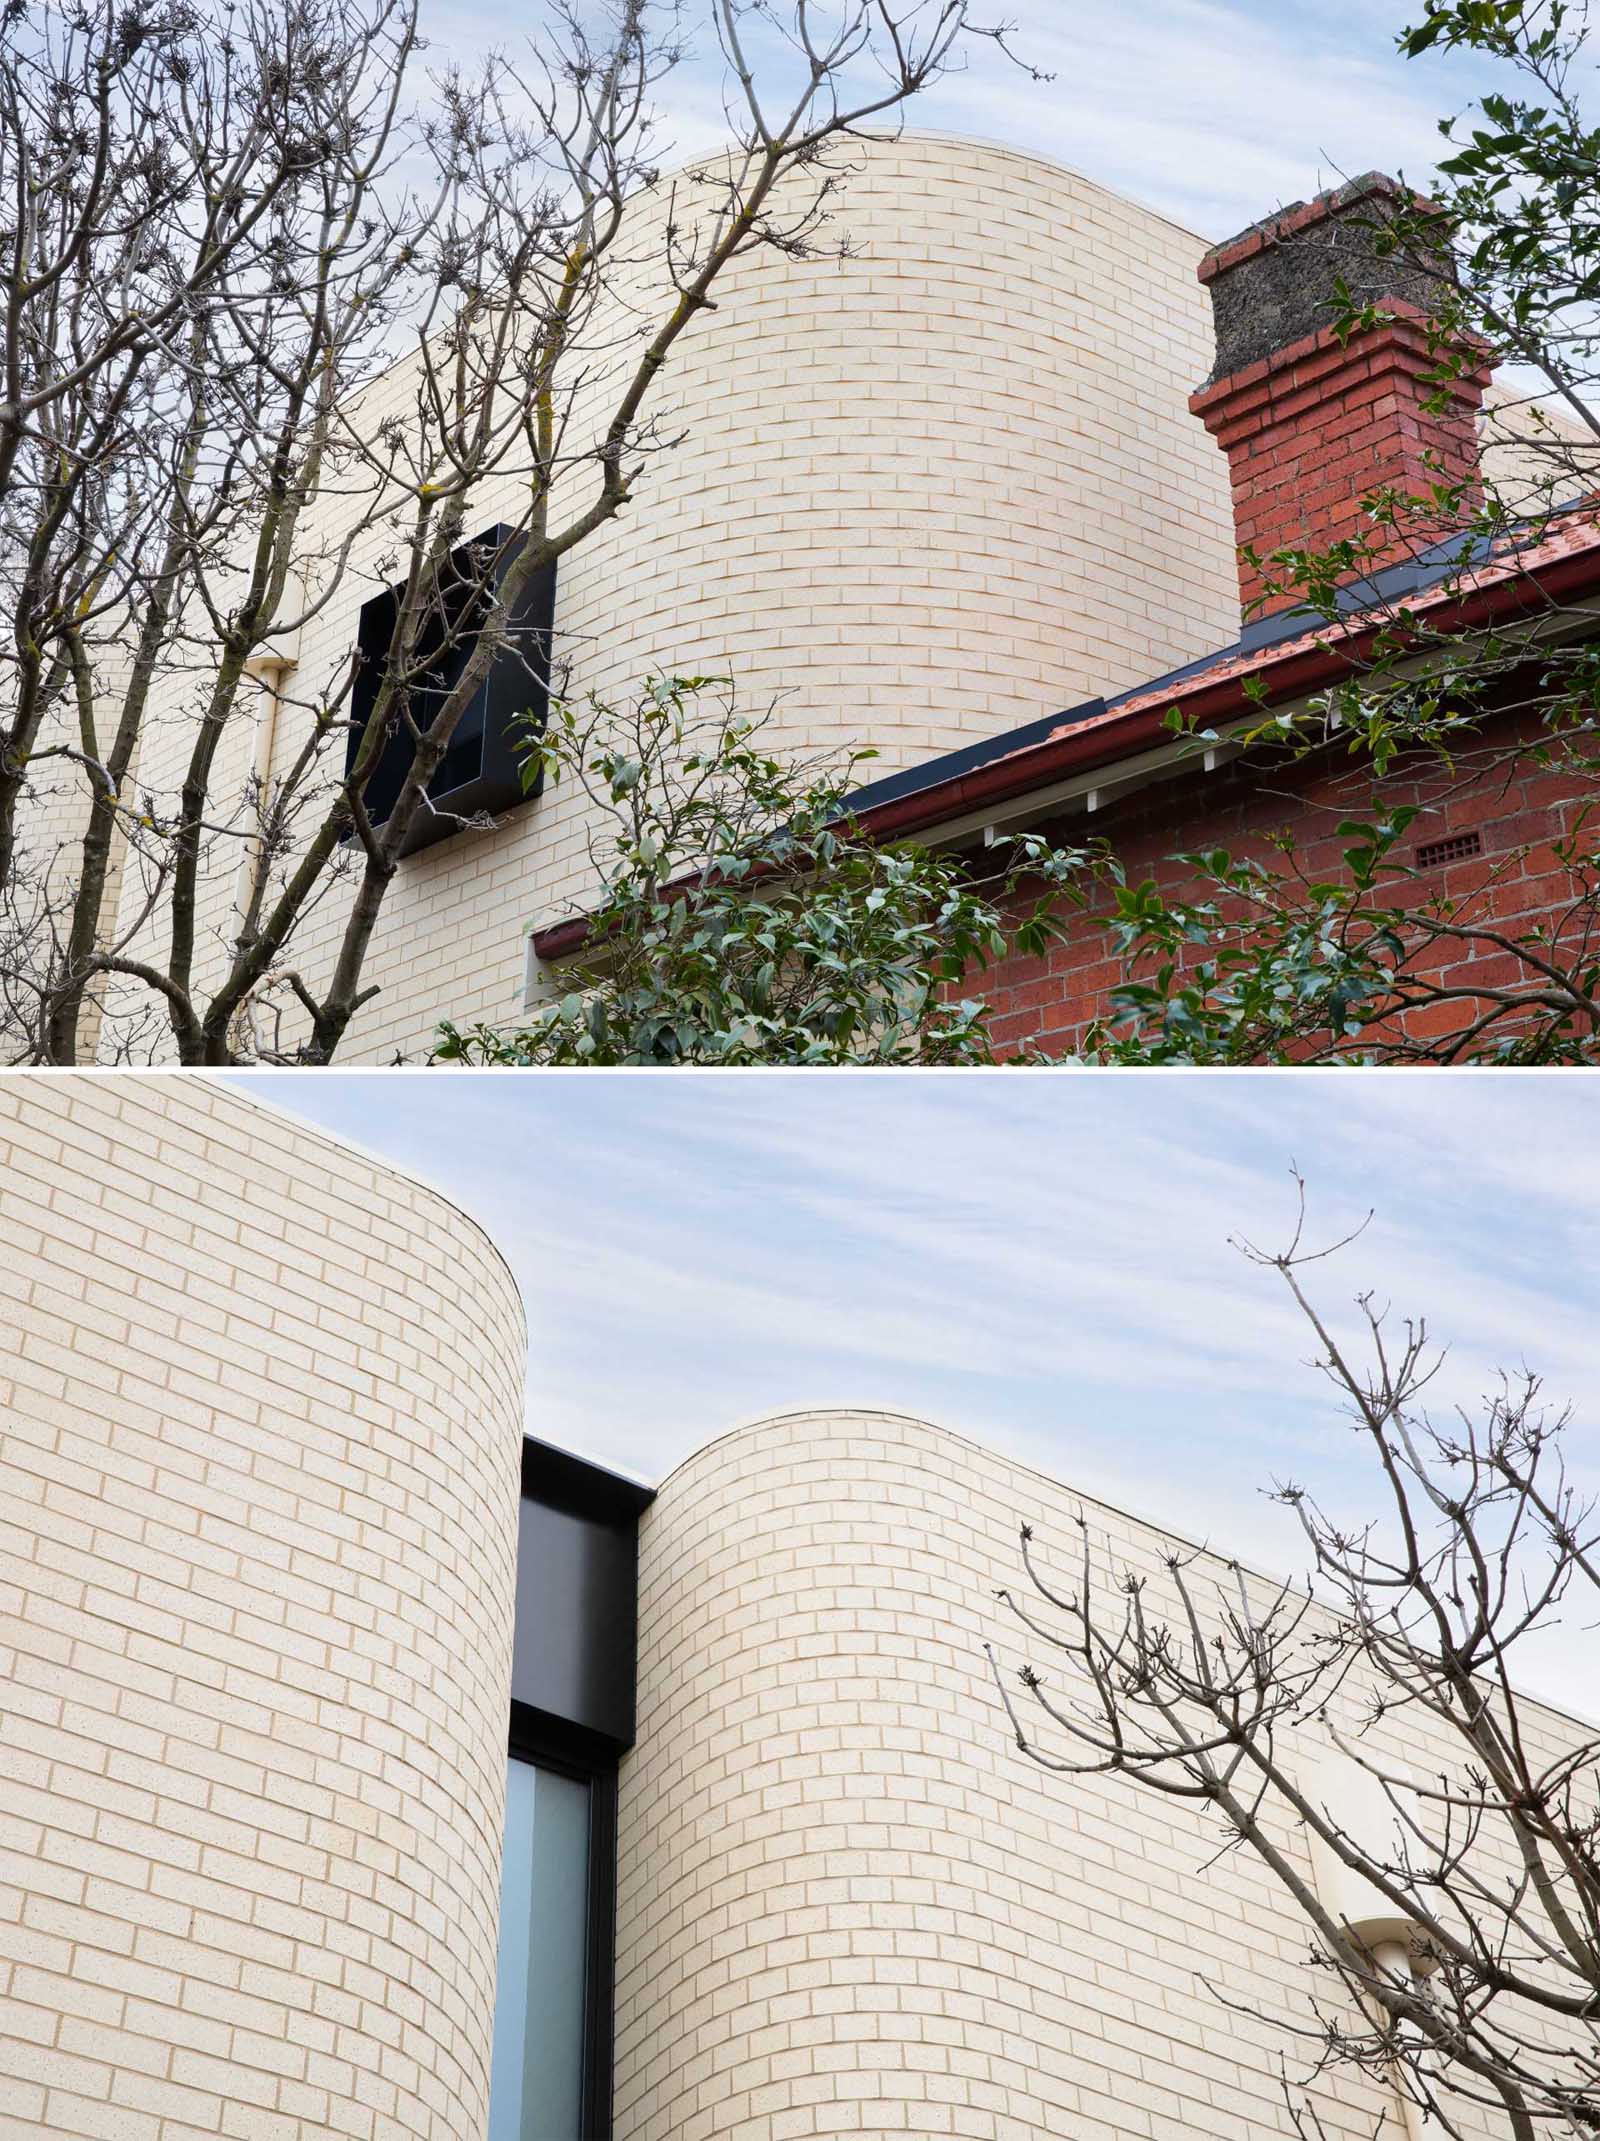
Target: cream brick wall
924, 494
848, 1905
1535, 454
259, 1435
259, 1423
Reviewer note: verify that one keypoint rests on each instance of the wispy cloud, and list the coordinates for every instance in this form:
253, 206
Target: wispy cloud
1213, 111
1042, 1261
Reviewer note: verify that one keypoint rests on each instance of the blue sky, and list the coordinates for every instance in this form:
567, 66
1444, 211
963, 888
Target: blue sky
1038, 1260
1214, 111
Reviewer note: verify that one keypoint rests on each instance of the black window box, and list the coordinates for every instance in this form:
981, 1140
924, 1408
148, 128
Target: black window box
481, 772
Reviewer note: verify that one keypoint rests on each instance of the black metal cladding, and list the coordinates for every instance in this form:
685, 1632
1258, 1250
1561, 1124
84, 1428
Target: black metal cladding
572, 1688
572, 1660
482, 769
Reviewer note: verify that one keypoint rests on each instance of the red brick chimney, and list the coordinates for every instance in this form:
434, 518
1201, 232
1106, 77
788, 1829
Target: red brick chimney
1311, 424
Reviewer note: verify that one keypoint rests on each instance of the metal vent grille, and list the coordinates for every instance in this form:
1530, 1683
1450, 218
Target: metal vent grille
1433, 854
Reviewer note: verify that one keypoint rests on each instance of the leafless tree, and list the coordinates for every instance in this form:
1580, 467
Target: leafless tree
276, 317
1468, 1971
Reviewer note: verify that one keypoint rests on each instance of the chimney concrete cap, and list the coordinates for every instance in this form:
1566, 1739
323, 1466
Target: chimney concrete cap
1288, 222
1276, 283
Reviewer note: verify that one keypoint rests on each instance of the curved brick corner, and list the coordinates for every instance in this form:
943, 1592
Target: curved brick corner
848, 1906
921, 495
259, 1437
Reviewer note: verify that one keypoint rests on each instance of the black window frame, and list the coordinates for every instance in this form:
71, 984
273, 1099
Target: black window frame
551, 1743
514, 697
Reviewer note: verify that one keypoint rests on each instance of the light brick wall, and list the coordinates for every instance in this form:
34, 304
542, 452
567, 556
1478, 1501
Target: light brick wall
1534, 453
848, 1905
259, 1436
924, 494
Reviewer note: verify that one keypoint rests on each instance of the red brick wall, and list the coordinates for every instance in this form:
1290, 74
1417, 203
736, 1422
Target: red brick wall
1312, 430
1047, 1003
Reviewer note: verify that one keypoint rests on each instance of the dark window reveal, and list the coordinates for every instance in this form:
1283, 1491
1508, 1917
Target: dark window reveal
572, 1716
481, 771
551, 2067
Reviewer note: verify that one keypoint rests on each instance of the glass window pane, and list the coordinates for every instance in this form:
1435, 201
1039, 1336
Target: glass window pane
536, 2078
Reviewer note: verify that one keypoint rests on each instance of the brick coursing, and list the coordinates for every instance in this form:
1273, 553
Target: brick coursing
260, 1423
848, 1905
1047, 1004
1315, 429
922, 495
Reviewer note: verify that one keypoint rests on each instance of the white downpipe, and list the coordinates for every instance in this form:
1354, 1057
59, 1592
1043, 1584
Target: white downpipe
1360, 1809
1393, 1959
269, 669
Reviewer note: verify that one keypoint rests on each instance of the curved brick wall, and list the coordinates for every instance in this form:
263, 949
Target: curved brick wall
922, 495
937, 488
848, 1905
259, 1436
